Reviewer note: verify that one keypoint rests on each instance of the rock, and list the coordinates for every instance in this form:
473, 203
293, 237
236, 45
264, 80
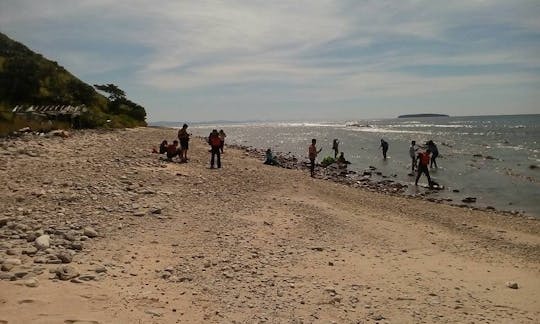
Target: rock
32, 282
7, 267
100, 269
469, 200
90, 232
7, 276
87, 277
153, 312
12, 252
64, 256
13, 261
43, 242
78, 246
4, 221
512, 285
66, 272
30, 251
156, 210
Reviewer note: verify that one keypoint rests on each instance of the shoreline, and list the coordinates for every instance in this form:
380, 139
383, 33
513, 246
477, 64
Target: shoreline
373, 180
134, 238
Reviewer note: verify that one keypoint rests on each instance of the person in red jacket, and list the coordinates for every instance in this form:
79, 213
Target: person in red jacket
423, 167
215, 145
173, 150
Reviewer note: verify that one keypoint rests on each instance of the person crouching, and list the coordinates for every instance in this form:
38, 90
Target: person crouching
172, 151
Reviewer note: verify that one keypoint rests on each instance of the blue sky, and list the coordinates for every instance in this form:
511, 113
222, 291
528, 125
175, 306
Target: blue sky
294, 60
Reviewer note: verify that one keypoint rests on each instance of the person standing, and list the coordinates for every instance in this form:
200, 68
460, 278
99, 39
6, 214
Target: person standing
413, 154
215, 145
434, 153
312, 153
222, 136
183, 137
335, 147
384, 146
423, 167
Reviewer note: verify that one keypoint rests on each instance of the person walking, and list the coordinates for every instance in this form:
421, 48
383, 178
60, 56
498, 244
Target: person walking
434, 153
423, 167
312, 153
413, 154
183, 137
215, 144
335, 147
384, 146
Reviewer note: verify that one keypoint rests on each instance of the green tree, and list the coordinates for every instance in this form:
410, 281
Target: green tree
112, 90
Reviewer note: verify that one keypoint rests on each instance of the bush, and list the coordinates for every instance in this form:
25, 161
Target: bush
327, 161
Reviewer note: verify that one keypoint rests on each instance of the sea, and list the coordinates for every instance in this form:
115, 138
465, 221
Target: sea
492, 158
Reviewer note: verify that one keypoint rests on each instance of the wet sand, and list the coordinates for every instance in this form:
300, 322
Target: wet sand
182, 243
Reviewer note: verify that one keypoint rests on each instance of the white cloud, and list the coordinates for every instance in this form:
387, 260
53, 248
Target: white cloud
321, 49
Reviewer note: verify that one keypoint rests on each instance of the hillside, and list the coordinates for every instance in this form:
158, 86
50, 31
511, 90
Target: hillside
28, 78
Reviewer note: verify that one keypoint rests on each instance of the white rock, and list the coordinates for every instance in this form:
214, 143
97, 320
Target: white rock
43, 242
32, 282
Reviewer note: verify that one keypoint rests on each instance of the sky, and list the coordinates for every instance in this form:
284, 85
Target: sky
294, 60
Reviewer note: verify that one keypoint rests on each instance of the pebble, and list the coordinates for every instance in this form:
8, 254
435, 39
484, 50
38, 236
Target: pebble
64, 256
90, 232
66, 272
13, 261
43, 242
512, 285
32, 282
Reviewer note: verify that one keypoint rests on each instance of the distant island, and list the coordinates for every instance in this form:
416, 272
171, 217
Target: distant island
423, 115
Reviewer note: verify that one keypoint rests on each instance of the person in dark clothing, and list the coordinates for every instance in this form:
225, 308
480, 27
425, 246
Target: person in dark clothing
183, 136
312, 153
270, 158
163, 147
423, 167
215, 148
335, 147
384, 146
434, 153
173, 150
341, 161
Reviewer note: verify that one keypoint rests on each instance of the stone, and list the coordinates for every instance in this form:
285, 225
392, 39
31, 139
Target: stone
100, 269
30, 251
13, 261
64, 256
87, 277
90, 232
43, 242
78, 246
32, 282
7, 276
66, 272
512, 285
7, 267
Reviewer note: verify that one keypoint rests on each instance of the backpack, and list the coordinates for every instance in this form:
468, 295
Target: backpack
215, 141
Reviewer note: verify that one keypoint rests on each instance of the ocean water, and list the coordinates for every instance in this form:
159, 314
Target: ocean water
487, 157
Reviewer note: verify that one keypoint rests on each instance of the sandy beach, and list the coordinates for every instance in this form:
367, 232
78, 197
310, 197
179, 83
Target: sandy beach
94, 228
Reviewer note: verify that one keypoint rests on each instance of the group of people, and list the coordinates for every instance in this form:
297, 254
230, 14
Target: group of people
174, 149
179, 148
422, 157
